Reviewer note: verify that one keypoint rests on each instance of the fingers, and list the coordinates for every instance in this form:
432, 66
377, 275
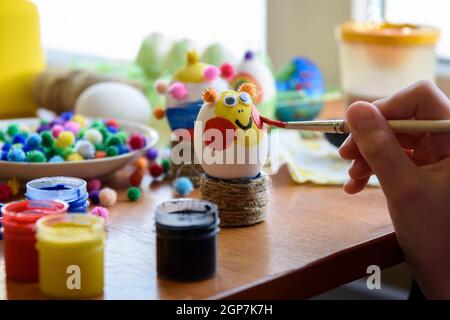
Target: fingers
379, 146
422, 100
354, 186
359, 169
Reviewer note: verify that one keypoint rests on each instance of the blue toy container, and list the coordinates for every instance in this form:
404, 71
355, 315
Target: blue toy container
183, 116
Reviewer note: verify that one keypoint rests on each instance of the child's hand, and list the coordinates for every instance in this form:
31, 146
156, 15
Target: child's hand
414, 173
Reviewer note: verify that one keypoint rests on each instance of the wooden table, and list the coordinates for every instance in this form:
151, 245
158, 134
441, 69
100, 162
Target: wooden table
314, 239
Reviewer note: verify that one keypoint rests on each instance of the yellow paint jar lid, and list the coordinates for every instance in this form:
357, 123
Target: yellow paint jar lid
389, 34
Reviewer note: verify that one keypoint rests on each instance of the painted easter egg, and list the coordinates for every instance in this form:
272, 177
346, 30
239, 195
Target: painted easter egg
253, 70
151, 54
114, 100
229, 137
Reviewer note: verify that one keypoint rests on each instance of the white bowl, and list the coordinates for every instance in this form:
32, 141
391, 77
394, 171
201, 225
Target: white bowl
86, 169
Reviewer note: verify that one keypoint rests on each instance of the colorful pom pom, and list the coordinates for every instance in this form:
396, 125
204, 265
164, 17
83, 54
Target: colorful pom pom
101, 212
74, 157
65, 139
156, 170
141, 164
100, 154
19, 139
178, 91
152, 154
227, 71
56, 158
134, 194
56, 130
80, 120
211, 73
5, 192
35, 156
161, 86
136, 178
72, 126
159, 113
85, 148
107, 197
137, 141
12, 130
47, 139
165, 163
94, 185
114, 141
34, 140
16, 155
112, 123
112, 151
94, 136
94, 196
183, 186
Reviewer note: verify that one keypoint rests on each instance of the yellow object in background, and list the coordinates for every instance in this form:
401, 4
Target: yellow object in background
21, 57
71, 258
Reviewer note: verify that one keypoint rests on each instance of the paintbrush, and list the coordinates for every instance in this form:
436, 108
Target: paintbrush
340, 126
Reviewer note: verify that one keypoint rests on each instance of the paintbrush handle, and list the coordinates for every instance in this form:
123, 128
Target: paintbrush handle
398, 126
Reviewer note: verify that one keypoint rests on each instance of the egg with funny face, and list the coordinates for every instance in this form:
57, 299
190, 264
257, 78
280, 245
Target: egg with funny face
230, 139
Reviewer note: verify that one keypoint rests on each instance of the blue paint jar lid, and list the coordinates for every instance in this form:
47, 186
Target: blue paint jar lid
67, 189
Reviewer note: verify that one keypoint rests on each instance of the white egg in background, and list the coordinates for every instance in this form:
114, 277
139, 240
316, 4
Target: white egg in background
114, 100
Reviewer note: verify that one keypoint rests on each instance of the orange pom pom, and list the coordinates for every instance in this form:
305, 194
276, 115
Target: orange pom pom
159, 113
136, 178
209, 95
250, 88
100, 154
141, 164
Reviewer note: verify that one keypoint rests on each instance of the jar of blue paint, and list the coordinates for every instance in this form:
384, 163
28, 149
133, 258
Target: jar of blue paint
67, 189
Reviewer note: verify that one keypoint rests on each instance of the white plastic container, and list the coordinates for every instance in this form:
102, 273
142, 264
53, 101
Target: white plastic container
376, 60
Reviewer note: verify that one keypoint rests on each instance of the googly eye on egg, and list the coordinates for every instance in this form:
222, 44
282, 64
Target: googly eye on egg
245, 98
230, 100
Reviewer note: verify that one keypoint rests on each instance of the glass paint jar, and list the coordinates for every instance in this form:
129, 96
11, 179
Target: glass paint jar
71, 259
186, 239
378, 59
67, 189
19, 228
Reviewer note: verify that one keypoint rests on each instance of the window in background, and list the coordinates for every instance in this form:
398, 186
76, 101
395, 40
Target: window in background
430, 12
115, 29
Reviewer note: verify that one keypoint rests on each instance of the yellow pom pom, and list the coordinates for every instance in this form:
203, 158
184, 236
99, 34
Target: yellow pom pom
74, 157
65, 139
78, 118
14, 184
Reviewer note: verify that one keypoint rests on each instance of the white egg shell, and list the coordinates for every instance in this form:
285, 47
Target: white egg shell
246, 162
259, 71
114, 100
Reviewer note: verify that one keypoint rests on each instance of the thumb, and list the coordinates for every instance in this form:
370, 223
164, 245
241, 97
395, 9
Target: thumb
379, 146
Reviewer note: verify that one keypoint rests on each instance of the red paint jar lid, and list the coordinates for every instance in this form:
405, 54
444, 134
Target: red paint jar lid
29, 211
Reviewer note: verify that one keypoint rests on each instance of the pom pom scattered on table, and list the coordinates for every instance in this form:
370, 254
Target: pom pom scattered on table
152, 154
107, 197
156, 170
134, 194
94, 196
94, 185
183, 186
101, 212
141, 164
136, 178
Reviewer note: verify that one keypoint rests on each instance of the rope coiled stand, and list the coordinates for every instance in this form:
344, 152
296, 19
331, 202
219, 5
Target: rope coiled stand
241, 202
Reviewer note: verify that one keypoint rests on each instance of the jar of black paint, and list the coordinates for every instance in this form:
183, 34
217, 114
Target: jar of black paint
186, 239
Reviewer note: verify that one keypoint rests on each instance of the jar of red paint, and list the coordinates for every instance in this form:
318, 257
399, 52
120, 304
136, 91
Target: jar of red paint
19, 241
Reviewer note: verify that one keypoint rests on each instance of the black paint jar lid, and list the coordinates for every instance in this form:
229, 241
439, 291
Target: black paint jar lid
186, 217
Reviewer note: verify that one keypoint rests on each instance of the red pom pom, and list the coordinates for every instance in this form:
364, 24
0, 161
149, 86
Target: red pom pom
100, 154
112, 123
94, 185
227, 71
137, 141
136, 178
156, 170
5, 192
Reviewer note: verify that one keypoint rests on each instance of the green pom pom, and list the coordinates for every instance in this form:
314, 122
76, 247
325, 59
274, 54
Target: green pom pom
12, 130
134, 193
47, 139
25, 133
114, 141
100, 147
2, 136
166, 165
36, 156
98, 124
105, 133
123, 136
49, 152
112, 151
82, 133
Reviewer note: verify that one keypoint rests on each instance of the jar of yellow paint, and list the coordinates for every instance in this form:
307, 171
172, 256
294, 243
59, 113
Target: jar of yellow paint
71, 255
21, 57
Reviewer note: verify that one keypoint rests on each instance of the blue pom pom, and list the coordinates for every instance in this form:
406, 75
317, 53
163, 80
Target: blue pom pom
16, 155
6, 147
4, 155
56, 159
66, 116
112, 129
18, 138
34, 141
183, 186
123, 149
